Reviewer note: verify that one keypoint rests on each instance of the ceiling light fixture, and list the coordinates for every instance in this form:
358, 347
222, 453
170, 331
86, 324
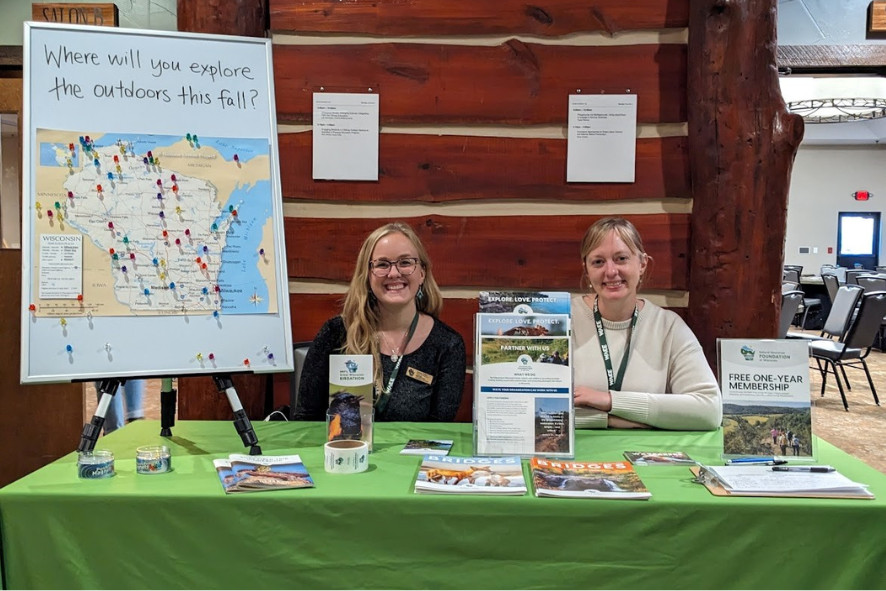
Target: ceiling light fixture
835, 99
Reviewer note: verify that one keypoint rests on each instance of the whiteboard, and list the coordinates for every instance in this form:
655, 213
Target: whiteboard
152, 239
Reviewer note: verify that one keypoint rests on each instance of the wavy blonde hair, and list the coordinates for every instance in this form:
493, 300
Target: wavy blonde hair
600, 230
360, 311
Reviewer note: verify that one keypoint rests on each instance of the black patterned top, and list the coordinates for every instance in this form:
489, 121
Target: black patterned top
441, 356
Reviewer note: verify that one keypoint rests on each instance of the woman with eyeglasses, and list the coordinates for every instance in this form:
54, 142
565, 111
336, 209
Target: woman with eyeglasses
634, 364
390, 312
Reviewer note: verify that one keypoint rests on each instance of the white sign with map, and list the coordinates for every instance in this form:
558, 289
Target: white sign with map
152, 208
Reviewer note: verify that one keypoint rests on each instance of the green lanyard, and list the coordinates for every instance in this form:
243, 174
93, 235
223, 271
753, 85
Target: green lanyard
382, 400
614, 381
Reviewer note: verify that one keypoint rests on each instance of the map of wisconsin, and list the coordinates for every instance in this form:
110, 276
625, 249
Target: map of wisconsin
171, 225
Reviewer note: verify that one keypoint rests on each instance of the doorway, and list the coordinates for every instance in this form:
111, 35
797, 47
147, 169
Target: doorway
858, 240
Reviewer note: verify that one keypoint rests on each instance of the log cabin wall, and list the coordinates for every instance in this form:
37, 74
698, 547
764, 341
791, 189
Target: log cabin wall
473, 112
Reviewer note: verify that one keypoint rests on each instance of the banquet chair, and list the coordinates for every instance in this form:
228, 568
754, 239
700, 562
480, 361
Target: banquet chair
852, 275
791, 274
839, 317
852, 349
831, 284
871, 283
299, 352
790, 303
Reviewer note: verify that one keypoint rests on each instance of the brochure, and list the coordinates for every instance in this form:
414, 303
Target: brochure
470, 475
586, 480
658, 458
350, 413
421, 447
245, 473
767, 411
522, 378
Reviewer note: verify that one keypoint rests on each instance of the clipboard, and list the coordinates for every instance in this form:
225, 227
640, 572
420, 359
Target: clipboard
718, 491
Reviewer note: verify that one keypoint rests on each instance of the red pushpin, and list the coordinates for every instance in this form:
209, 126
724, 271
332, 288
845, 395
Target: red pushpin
98, 188
203, 266
187, 231
159, 183
116, 159
32, 308
70, 194
234, 213
199, 260
49, 213
246, 362
172, 177
110, 225
79, 297
175, 188
178, 242
132, 256
217, 289
71, 147
236, 158
111, 251
150, 154
211, 355
165, 234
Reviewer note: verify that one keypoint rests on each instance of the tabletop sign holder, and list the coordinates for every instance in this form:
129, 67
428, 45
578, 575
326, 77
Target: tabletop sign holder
224, 383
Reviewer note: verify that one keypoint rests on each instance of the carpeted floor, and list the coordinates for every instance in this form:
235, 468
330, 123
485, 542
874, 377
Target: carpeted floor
861, 431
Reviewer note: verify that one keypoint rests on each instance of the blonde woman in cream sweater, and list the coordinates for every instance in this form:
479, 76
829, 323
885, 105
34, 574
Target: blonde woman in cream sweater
635, 365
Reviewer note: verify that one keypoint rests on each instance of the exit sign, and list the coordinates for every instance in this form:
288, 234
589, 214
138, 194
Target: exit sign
100, 14
877, 19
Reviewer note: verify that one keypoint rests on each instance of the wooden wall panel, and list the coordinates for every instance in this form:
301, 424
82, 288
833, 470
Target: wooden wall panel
448, 168
516, 82
477, 17
520, 252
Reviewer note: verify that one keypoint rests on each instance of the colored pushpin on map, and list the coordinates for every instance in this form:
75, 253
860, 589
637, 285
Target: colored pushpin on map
70, 147
198, 260
215, 313
199, 356
205, 292
110, 225
178, 210
38, 206
162, 214
80, 297
155, 261
98, 188
63, 322
178, 241
126, 240
147, 291
159, 183
69, 348
116, 159
97, 163
32, 308
172, 177
205, 248
175, 188
212, 356
123, 268
132, 256
246, 362
70, 194
187, 231
165, 233
172, 285
110, 176
49, 213
214, 227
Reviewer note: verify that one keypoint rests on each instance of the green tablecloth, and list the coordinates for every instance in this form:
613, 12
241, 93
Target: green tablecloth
369, 530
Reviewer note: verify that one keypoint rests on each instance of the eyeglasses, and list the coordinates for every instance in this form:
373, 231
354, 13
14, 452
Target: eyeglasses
381, 267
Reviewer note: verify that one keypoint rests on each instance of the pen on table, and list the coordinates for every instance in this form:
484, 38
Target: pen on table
803, 469
755, 461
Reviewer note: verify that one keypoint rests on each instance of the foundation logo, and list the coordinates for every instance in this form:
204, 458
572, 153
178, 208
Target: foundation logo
351, 366
747, 352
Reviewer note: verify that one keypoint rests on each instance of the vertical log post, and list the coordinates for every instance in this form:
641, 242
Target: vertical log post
742, 144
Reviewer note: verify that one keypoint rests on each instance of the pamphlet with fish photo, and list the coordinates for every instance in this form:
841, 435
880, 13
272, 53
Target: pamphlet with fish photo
350, 411
586, 480
471, 475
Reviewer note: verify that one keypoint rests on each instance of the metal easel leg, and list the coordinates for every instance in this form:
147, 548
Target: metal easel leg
92, 429
241, 421
167, 407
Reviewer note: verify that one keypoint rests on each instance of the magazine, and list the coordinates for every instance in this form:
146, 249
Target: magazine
587, 480
658, 458
244, 473
421, 447
470, 475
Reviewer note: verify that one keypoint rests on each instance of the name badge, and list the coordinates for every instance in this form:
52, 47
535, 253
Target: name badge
420, 375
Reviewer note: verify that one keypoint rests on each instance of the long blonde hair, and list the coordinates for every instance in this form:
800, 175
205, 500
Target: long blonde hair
360, 311
600, 230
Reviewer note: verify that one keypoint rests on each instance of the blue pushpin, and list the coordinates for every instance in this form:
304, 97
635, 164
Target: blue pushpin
96, 162
172, 285
215, 313
205, 291
123, 268
155, 261
69, 348
147, 291
110, 176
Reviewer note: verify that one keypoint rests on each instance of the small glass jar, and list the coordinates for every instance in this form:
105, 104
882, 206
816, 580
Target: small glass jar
153, 459
95, 464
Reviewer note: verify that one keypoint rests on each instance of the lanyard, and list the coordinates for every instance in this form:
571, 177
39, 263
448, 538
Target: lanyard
614, 381
382, 399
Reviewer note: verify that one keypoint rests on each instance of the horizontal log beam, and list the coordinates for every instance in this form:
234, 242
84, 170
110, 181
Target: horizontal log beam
513, 83
478, 17
448, 168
